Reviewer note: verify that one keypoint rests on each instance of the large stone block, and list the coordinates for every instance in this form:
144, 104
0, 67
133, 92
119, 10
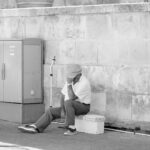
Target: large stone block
133, 51
122, 1
123, 78
148, 52
12, 28
126, 25
56, 97
138, 52
86, 51
59, 3
34, 24
144, 25
57, 27
108, 52
110, 1
77, 2
118, 106
67, 52
99, 77
49, 27
59, 75
2, 32
68, 26
98, 103
51, 49
98, 27
34, 3
5, 4
49, 81
53, 85
52, 100
83, 2
124, 51
47, 97
131, 79
141, 108
132, 1
58, 78
72, 26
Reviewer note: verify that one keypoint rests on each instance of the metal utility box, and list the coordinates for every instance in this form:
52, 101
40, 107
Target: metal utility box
21, 79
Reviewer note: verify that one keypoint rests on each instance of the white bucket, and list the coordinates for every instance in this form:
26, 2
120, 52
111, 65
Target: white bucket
90, 123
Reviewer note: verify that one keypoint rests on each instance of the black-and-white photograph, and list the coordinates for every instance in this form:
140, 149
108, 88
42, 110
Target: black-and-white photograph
74, 74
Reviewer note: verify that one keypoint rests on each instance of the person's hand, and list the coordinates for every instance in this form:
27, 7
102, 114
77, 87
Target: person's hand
69, 80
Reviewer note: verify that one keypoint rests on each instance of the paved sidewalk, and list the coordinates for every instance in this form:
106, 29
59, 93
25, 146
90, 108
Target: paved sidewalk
53, 139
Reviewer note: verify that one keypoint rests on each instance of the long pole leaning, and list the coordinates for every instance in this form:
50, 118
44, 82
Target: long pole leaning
51, 81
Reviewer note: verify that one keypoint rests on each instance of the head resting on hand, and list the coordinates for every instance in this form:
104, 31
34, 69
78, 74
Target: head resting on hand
72, 70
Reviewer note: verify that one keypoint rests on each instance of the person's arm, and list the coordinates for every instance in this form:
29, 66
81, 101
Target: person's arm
62, 100
71, 93
63, 112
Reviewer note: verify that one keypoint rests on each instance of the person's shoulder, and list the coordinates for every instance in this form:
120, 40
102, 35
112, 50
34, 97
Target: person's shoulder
84, 79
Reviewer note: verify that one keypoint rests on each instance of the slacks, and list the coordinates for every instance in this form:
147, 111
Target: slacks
72, 107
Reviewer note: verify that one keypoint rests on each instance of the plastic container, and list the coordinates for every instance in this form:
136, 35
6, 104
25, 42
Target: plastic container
90, 123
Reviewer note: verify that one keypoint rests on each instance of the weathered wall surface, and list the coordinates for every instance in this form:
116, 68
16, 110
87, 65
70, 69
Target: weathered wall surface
111, 42
93, 2
4, 4
12, 3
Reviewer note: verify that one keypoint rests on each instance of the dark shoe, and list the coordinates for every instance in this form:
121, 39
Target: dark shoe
71, 132
27, 129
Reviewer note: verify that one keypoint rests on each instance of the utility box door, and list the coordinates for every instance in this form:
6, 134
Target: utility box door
1, 71
32, 52
13, 71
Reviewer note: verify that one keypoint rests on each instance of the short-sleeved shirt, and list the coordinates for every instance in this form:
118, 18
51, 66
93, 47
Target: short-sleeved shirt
82, 90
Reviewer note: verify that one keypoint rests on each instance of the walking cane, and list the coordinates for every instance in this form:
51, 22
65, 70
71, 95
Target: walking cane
51, 81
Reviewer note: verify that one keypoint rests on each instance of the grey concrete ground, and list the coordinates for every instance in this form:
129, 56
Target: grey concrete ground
53, 139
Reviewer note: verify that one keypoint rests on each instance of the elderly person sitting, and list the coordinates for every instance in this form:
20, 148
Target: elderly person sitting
76, 95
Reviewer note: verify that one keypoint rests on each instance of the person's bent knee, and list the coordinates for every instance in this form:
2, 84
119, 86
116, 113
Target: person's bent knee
68, 103
49, 112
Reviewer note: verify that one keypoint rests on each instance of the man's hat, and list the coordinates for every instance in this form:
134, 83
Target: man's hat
73, 70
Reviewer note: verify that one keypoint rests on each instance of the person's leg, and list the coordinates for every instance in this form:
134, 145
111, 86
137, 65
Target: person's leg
43, 121
61, 120
75, 108
63, 111
47, 117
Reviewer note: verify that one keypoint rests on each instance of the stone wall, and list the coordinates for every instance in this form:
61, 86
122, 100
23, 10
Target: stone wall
12, 3
111, 42
4, 4
94, 2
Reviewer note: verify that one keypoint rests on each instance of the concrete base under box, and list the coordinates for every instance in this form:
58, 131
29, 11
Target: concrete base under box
21, 113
